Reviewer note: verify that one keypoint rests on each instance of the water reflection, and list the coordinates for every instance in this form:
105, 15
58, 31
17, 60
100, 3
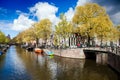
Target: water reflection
102, 58
12, 68
2, 61
31, 66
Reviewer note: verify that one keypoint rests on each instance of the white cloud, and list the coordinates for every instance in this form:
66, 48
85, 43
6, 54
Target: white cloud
20, 12
108, 8
82, 2
5, 25
113, 16
22, 23
116, 19
45, 10
69, 14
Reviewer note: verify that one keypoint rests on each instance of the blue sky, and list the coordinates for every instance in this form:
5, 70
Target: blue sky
18, 15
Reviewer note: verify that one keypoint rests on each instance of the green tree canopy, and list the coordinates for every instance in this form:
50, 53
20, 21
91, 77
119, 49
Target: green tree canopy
3, 38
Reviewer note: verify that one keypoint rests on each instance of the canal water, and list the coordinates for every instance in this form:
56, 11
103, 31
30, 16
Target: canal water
18, 64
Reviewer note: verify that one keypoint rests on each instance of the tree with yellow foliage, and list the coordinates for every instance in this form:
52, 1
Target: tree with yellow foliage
103, 28
64, 29
43, 29
28, 35
38, 30
3, 38
19, 38
118, 29
25, 36
92, 19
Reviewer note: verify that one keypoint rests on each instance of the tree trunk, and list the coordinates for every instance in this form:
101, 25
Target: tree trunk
45, 43
101, 42
88, 44
64, 42
119, 41
37, 42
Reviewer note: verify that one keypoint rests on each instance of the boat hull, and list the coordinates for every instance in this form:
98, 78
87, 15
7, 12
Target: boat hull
38, 50
48, 52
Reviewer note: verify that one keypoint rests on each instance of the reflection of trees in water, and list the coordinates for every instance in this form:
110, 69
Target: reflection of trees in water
2, 60
19, 49
96, 71
13, 67
69, 63
58, 68
38, 70
69, 69
72, 69
114, 61
102, 58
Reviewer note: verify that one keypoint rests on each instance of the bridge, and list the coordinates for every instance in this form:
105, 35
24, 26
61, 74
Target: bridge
105, 55
95, 50
101, 55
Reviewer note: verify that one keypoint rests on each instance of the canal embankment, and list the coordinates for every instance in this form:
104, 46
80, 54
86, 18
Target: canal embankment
3, 48
112, 59
19, 64
70, 53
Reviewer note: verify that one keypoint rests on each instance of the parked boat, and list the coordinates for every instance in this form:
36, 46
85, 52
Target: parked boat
24, 46
1, 52
3, 48
38, 50
49, 53
30, 48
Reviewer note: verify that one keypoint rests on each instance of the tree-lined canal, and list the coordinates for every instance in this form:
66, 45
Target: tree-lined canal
18, 64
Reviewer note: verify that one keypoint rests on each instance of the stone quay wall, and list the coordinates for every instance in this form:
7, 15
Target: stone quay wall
71, 53
114, 61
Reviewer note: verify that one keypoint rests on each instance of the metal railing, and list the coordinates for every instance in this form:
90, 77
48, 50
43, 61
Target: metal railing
115, 50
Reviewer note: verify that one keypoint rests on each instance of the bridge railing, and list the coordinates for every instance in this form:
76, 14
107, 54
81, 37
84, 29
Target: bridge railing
115, 50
